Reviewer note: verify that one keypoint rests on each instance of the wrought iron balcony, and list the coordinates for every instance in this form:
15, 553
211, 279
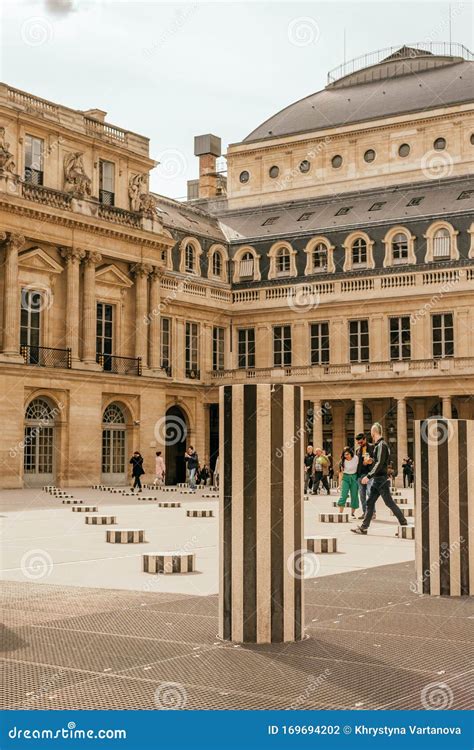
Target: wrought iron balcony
44, 356
193, 374
120, 365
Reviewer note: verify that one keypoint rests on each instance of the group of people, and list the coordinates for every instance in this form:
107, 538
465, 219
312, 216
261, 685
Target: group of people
196, 473
318, 470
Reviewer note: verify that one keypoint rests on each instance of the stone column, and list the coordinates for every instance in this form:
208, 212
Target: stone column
89, 312
141, 271
444, 506
154, 317
317, 424
261, 526
358, 416
73, 257
447, 408
11, 299
402, 439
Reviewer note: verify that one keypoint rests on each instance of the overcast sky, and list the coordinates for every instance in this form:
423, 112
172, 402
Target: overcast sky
171, 71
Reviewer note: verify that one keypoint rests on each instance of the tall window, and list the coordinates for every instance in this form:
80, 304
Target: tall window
246, 348
359, 340
217, 263
442, 244
283, 261
400, 248
319, 343
165, 344
319, 258
217, 348
34, 150
246, 265
282, 346
107, 182
189, 258
192, 350
113, 443
30, 324
443, 335
359, 252
400, 344
104, 338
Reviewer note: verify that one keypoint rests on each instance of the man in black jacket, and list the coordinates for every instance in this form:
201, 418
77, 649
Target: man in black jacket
380, 486
365, 454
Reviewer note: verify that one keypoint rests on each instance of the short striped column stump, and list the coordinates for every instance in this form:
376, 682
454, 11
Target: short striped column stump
199, 513
335, 504
97, 487
406, 532
125, 536
182, 484
147, 498
444, 504
261, 543
333, 518
169, 505
401, 500
408, 512
169, 489
169, 562
321, 544
210, 496
72, 502
85, 509
100, 520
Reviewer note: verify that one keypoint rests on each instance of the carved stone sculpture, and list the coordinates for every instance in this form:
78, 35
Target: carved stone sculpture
7, 163
76, 182
140, 200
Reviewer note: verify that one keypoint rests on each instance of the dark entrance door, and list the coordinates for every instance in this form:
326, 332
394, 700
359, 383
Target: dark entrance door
175, 436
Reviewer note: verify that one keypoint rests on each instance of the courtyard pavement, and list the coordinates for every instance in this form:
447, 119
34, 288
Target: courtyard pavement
86, 629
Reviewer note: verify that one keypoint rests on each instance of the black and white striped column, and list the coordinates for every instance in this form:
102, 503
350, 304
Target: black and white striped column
261, 522
444, 506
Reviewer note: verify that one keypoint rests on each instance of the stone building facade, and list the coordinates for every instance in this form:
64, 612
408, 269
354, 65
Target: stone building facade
340, 257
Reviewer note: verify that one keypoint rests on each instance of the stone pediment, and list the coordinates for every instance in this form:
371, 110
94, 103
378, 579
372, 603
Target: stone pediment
113, 276
37, 259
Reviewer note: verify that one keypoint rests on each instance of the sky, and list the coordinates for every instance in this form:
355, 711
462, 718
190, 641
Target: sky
171, 71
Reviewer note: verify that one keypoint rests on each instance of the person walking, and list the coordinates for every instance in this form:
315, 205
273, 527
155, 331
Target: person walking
320, 471
137, 470
380, 485
407, 467
365, 456
160, 469
192, 462
349, 484
308, 468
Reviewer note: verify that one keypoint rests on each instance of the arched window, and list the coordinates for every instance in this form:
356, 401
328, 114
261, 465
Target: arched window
283, 261
246, 265
39, 409
38, 448
113, 415
359, 252
400, 248
217, 263
319, 258
114, 444
442, 244
189, 258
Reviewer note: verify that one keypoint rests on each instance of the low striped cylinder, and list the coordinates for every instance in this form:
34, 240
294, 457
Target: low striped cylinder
169, 505
214, 496
321, 544
145, 497
408, 512
72, 502
261, 516
169, 562
335, 504
169, 489
444, 505
125, 536
406, 532
100, 520
333, 518
200, 513
85, 509
401, 500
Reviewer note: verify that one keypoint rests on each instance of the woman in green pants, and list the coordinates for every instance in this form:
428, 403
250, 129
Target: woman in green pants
349, 485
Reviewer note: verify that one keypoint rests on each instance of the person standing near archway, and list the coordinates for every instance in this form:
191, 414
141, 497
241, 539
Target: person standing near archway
137, 470
192, 461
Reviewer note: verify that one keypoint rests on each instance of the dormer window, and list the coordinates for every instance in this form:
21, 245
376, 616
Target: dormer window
246, 266
400, 248
190, 253
283, 261
189, 258
359, 253
217, 264
441, 244
319, 258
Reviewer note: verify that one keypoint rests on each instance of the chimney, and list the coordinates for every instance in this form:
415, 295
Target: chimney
208, 148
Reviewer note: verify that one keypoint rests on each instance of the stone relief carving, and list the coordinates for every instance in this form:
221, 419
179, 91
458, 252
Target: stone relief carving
7, 162
76, 180
140, 200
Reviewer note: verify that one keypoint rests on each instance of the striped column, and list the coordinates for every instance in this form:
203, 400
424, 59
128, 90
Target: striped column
444, 506
261, 522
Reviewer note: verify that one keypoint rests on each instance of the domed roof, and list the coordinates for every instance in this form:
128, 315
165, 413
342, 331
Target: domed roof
407, 80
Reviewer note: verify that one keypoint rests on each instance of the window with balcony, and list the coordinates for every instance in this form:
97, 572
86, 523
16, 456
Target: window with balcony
442, 330
218, 337
105, 333
30, 324
165, 344
359, 341
246, 348
359, 253
192, 350
400, 338
319, 343
107, 182
34, 160
282, 346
